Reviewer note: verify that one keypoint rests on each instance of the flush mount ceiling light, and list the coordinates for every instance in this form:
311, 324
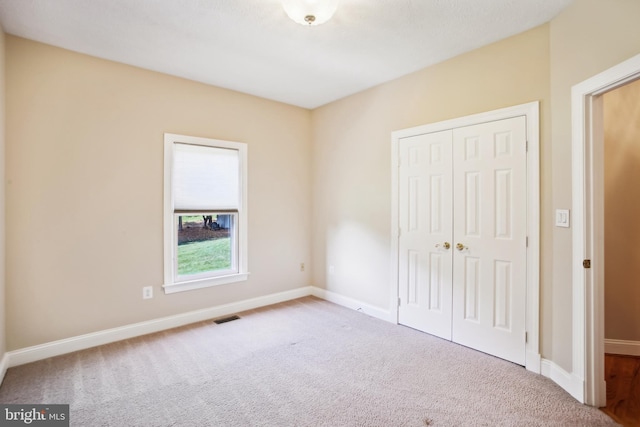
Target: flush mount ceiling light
310, 12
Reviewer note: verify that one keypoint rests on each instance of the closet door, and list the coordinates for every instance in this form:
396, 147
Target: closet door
425, 245
489, 273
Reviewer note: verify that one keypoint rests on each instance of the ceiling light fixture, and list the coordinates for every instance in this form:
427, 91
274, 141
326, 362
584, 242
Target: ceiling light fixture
310, 12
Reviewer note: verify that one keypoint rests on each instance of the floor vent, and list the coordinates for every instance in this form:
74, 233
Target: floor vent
226, 319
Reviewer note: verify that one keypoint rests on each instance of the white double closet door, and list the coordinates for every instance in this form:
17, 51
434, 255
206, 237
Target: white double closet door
462, 244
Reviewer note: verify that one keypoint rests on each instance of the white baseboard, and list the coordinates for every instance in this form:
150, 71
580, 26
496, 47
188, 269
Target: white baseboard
81, 342
569, 382
353, 304
4, 365
627, 348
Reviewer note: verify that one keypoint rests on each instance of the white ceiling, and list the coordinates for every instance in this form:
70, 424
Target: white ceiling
251, 46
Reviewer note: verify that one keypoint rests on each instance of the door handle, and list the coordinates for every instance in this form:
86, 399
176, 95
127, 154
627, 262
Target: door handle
445, 245
461, 247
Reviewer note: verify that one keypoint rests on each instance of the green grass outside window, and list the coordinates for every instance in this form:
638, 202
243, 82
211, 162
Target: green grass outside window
201, 257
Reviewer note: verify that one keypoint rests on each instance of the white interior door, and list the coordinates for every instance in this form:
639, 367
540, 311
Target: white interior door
462, 245
490, 226
425, 199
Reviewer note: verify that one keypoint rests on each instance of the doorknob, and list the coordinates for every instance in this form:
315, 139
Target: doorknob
461, 247
445, 245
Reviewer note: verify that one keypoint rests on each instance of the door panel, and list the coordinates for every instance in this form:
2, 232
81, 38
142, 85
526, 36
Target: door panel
425, 225
465, 186
489, 275
471, 288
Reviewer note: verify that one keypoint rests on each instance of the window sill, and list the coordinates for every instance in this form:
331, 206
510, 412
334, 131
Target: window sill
171, 288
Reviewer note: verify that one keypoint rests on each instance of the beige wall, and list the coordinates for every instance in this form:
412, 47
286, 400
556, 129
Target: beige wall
622, 211
2, 195
352, 146
589, 37
85, 187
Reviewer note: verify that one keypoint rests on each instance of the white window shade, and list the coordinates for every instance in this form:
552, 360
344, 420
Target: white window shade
205, 178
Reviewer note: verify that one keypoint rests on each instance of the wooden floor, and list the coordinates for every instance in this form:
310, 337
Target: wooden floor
622, 374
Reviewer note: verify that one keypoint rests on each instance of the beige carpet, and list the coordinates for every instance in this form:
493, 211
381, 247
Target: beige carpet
303, 363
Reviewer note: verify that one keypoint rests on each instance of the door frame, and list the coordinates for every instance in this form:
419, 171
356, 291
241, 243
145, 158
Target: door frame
588, 228
531, 112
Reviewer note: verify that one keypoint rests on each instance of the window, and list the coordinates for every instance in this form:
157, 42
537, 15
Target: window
205, 219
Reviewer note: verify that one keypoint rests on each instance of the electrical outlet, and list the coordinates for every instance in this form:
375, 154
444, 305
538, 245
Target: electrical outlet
147, 292
302, 266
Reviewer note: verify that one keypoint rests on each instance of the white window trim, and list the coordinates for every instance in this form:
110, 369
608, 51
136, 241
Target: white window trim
170, 285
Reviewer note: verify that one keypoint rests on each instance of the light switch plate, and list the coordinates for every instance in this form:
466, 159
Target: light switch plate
562, 218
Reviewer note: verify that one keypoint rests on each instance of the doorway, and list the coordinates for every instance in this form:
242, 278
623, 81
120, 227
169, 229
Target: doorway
434, 137
621, 123
588, 233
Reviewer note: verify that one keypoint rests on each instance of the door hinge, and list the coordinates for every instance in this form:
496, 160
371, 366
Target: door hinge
526, 146
586, 263
399, 302
399, 232
527, 241
526, 337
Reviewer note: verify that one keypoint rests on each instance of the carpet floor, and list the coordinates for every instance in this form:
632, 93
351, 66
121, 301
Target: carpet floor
306, 362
